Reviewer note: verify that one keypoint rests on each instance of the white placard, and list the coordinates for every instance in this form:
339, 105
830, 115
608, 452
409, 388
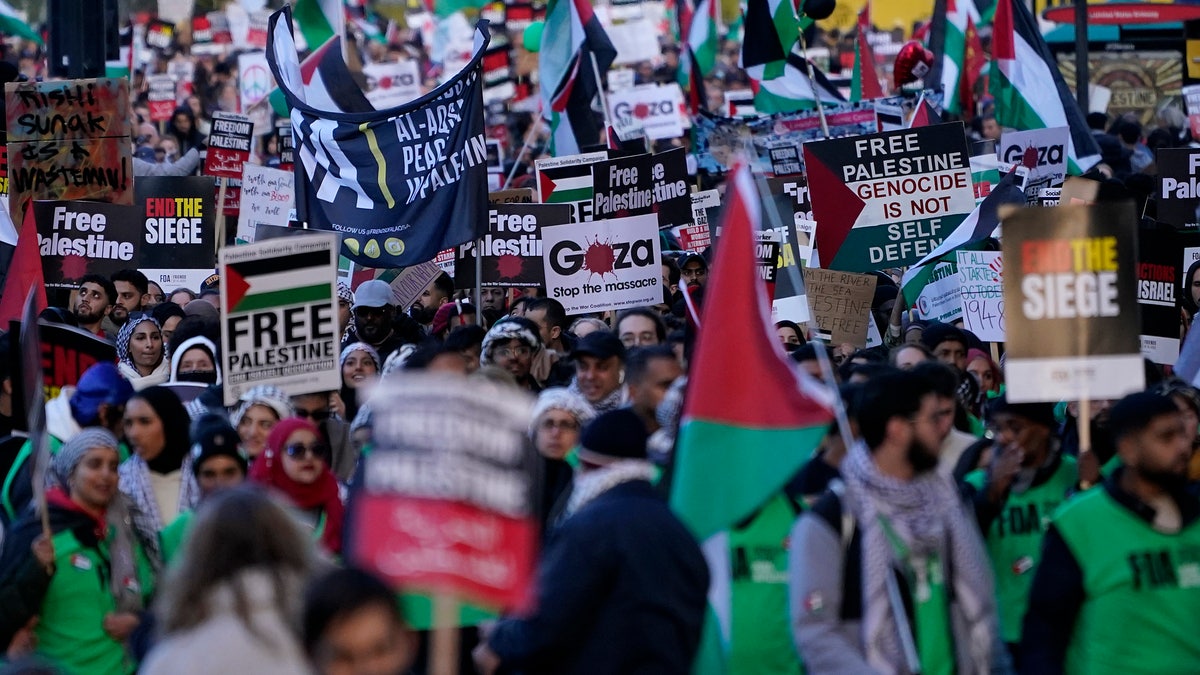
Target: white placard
267, 197
604, 264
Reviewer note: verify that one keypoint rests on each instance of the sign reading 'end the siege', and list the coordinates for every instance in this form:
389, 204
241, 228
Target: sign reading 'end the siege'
889, 199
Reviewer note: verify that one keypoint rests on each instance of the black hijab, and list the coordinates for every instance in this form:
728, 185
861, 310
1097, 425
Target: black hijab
176, 423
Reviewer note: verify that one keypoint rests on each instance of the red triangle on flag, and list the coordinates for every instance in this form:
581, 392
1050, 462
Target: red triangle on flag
545, 186
739, 373
236, 287
25, 272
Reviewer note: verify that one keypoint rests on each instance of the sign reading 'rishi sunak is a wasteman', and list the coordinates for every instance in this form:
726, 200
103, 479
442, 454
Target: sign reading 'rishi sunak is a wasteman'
887, 200
280, 315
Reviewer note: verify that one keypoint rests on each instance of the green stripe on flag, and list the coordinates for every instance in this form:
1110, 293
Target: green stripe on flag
570, 196
287, 296
705, 499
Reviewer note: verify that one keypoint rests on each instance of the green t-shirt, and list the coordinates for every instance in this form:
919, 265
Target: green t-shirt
932, 633
760, 637
1014, 540
1141, 590
172, 536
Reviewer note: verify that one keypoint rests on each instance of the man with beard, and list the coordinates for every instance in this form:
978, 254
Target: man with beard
131, 285
1118, 587
374, 313
437, 293
889, 574
96, 297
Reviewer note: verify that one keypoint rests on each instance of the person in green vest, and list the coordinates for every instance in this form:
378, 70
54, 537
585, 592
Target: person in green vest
88, 601
219, 462
1014, 497
1118, 586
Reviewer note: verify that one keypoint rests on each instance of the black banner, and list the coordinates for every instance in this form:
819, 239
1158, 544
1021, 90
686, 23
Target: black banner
1163, 293
641, 184
401, 184
77, 238
179, 222
512, 248
1179, 187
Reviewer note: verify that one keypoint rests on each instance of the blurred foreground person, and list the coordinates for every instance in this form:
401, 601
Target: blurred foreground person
353, 626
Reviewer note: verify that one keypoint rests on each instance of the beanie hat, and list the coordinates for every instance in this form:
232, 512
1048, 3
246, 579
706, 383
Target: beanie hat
363, 347
449, 310
1134, 412
936, 333
71, 453
100, 384
1038, 413
216, 438
265, 395
509, 328
561, 398
614, 435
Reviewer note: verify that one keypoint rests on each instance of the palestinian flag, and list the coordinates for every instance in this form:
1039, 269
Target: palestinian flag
925, 115
319, 19
24, 271
771, 30
328, 83
276, 282
1029, 89
575, 51
948, 42
567, 180
748, 424
979, 225
798, 88
864, 80
14, 25
698, 38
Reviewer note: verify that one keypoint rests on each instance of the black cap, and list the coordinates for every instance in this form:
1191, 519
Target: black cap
1038, 413
211, 285
602, 344
693, 257
1135, 412
615, 435
215, 437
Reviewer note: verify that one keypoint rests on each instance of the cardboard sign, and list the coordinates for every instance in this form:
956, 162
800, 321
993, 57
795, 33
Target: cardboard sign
512, 248
651, 111
1042, 151
279, 301
887, 200
568, 180
941, 298
513, 196
228, 145
408, 283
605, 264
178, 219
78, 238
644, 184
69, 140
447, 502
1179, 187
268, 195
1070, 297
1166, 298
392, 84
161, 97
981, 285
841, 304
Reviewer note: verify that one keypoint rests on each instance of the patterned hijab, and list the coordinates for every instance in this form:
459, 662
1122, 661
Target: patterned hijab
126, 334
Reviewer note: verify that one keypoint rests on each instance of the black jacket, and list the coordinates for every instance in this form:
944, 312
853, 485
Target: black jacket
621, 590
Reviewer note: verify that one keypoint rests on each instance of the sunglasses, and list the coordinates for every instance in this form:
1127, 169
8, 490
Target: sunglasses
314, 415
300, 450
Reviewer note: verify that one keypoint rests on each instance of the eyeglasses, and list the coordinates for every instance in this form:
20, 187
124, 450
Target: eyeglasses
509, 352
300, 450
314, 415
564, 425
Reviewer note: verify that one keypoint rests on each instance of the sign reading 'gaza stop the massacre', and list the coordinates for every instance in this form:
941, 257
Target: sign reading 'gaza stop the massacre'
1071, 306
889, 199
605, 264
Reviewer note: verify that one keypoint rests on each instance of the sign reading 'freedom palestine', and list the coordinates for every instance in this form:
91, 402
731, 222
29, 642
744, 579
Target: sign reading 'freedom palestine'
1071, 309
280, 325
889, 199
228, 145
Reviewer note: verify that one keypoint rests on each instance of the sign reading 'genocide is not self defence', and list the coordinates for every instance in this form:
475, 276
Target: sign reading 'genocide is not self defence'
889, 199
1071, 309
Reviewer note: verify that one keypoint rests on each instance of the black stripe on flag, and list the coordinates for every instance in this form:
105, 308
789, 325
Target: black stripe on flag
282, 264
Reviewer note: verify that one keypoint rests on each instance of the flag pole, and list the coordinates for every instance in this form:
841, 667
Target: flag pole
479, 280
534, 127
812, 80
600, 84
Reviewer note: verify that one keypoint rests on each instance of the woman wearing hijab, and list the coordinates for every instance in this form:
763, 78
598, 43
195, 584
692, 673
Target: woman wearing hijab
157, 477
196, 361
986, 372
87, 584
259, 410
360, 370
140, 353
296, 463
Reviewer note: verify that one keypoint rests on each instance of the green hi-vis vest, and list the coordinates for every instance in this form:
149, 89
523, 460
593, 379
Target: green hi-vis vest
760, 637
1141, 590
1014, 540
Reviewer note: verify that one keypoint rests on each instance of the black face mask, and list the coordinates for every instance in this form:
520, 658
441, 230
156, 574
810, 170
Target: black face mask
201, 376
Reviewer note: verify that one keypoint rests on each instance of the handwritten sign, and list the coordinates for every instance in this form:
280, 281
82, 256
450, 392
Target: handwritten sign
228, 145
981, 279
267, 197
840, 304
69, 140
